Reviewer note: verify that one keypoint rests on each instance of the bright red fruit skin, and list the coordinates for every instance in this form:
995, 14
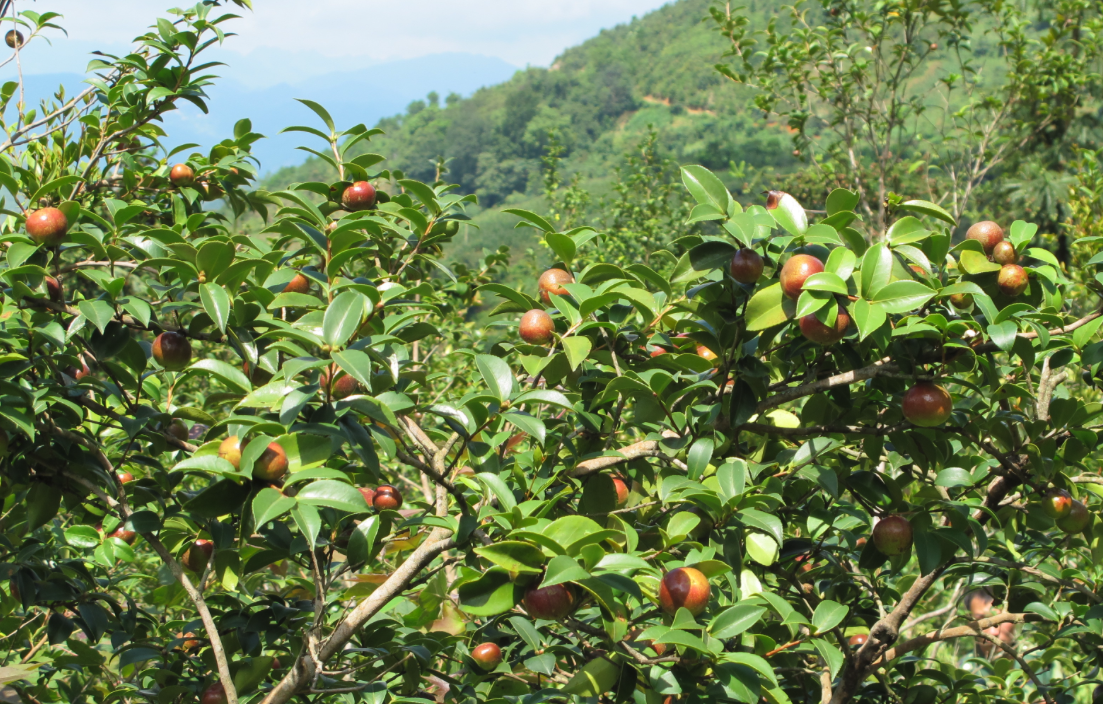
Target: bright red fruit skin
796, 270
622, 491
814, 330
552, 603
746, 266
537, 327
893, 535
927, 405
988, 233
387, 498
858, 639
488, 656
172, 351
358, 196
551, 282
47, 226
684, 587
299, 284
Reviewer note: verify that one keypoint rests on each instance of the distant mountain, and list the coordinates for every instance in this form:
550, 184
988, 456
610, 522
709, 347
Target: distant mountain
352, 97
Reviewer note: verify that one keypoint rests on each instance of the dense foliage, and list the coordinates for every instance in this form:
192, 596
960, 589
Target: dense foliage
788, 461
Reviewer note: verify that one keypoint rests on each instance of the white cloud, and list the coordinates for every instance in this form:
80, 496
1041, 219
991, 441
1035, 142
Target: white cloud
320, 36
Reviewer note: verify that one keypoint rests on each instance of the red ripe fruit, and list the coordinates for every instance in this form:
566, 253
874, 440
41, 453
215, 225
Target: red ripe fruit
537, 327
796, 271
53, 289
927, 405
552, 603
488, 656
358, 196
341, 387
622, 491
551, 282
298, 284
1004, 253
1012, 280
746, 266
272, 465
230, 450
47, 226
182, 175
127, 536
706, 353
684, 587
1057, 504
655, 352
988, 233
893, 535
172, 351
198, 555
125, 477
215, 694
814, 330
1077, 520
387, 498
858, 639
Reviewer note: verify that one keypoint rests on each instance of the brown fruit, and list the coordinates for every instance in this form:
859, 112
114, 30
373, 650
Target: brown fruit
47, 226
961, 301
796, 271
551, 283
342, 387
215, 694
271, 466
893, 535
178, 430
1057, 504
230, 450
857, 639
298, 284
53, 290
358, 196
746, 266
684, 587
258, 375
1077, 520
190, 642
125, 477
988, 233
198, 555
488, 656
537, 327
1004, 253
552, 603
14, 38
387, 498
127, 536
1012, 280
927, 405
172, 351
182, 175
622, 491
814, 330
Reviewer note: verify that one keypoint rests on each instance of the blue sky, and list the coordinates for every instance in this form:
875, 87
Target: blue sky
289, 40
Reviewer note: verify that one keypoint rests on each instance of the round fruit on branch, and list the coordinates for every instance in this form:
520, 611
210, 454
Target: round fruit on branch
172, 351
1057, 503
127, 536
359, 196
272, 464
1012, 280
14, 39
746, 266
684, 587
53, 289
857, 640
215, 694
230, 450
488, 656
927, 405
182, 175
1077, 520
340, 387
537, 327
796, 271
551, 283
198, 555
961, 301
893, 536
552, 603
47, 227
1004, 253
297, 284
387, 498
988, 233
818, 332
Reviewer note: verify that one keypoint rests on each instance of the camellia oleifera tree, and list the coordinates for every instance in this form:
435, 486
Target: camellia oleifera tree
286, 466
